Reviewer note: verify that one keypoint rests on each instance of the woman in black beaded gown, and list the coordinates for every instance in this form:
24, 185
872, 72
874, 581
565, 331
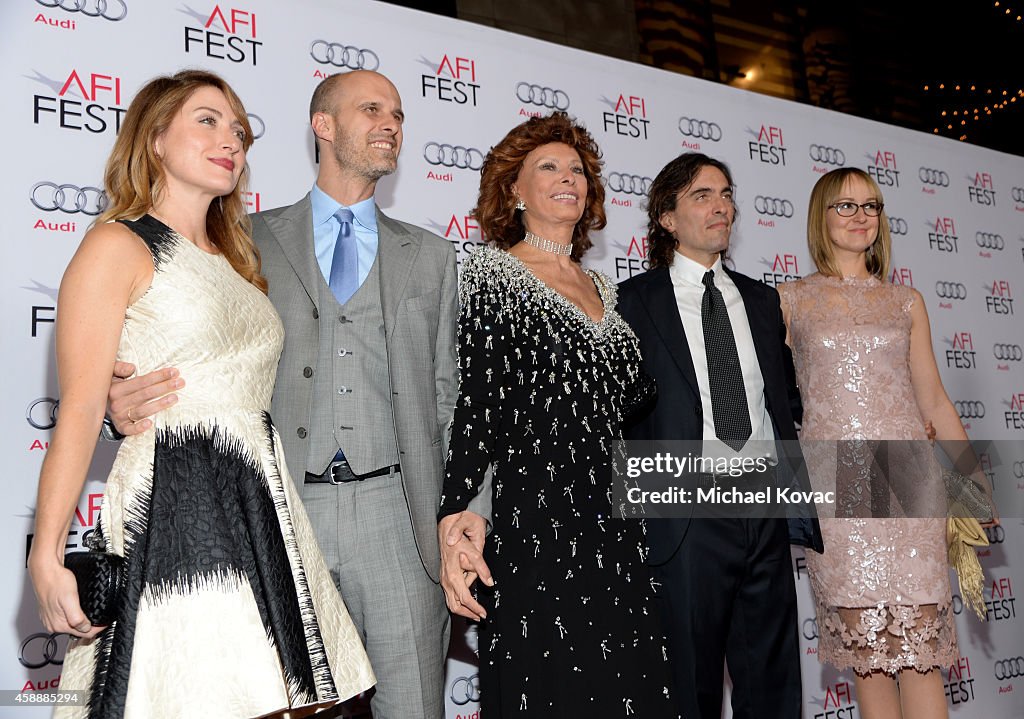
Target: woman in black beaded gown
548, 370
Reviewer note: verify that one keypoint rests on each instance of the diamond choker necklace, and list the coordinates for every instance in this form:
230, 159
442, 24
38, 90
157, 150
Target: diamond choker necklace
547, 245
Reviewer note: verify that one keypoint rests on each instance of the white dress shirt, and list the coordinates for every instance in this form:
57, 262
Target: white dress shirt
688, 286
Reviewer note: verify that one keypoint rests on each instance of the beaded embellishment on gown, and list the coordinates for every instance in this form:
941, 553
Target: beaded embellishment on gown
230, 610
881, 588
571, 628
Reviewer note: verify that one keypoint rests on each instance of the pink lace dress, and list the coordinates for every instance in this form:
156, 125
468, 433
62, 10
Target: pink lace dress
882, 586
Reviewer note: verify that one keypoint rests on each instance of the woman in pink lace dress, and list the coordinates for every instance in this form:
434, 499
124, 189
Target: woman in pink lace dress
866, 370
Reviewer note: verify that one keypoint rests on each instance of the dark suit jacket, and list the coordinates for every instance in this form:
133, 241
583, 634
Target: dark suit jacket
648, 303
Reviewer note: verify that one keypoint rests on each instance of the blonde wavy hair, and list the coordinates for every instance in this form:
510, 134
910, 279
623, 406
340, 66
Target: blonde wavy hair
134, 176
826, 190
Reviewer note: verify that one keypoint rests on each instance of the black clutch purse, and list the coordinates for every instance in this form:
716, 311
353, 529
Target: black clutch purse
101, 578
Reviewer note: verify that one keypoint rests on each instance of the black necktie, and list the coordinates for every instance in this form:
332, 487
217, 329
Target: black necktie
725, 377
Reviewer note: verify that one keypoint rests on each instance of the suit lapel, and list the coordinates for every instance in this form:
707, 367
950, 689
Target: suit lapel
396, 252
293, 230
659, 300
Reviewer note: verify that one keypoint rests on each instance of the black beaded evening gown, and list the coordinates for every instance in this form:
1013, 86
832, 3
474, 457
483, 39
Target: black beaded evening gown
571, 628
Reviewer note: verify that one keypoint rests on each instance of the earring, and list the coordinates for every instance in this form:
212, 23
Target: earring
520, 205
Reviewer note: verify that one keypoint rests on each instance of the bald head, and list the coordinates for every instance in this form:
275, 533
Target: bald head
330, 90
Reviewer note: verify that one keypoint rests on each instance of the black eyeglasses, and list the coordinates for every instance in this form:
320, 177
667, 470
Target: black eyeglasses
849, 209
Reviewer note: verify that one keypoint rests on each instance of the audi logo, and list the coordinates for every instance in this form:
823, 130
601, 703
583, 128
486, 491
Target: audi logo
466, 690
996, 534
112, 10
258, 126
464, 158
1007, 352
989, 241
42, 413
629, 184
701, 129
49, 197
933, 177
773, 206
828, 155
1009, 668
1017, 193
810, 628
970, 409
334, 53
898, 226
41, 649
542, 96
1018, 470
950, 290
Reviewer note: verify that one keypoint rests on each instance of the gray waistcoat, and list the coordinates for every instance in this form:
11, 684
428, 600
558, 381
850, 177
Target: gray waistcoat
351, 393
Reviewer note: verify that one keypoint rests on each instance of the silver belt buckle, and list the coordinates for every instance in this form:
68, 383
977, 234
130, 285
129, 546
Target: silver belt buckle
331, 471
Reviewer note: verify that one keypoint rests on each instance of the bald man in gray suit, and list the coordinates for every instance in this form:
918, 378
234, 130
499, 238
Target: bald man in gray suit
365, 388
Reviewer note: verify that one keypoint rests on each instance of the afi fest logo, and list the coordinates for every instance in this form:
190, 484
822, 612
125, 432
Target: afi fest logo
902, 276
226, 33
85, 100
66, 12
462, 231
999, 300
43, 314
961, 354
782, 269
1014, 416
837, 703
631, 258
1002, 605
882, 167
768, 147
981, 191
960, 682
453, 79
943, 237
628, 116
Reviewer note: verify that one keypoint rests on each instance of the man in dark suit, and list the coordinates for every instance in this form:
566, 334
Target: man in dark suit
715, 342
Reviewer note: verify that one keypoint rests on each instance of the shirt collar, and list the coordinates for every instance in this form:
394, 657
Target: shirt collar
324, 207
690, 272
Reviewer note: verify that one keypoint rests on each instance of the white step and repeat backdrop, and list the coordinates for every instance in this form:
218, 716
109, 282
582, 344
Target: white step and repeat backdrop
72, 66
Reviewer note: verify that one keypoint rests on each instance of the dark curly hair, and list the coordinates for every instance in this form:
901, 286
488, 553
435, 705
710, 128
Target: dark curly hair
675, 177
495, 211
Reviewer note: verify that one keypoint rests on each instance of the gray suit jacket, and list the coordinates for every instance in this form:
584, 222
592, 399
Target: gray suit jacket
418, 298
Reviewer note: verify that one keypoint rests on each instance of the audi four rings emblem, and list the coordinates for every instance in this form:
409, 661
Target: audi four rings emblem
257, 125
49, 196
1017, 193
950, 290
969, 409
466, 690
112, 10
1009, 668
898, 226
1018, 470
989, 241
334, 53
1007, 353
542, 96
629, 184
810, 628
463, 158
933, 177
41, 649
773, 206
701, 129
828, 155
996, 534
42, 413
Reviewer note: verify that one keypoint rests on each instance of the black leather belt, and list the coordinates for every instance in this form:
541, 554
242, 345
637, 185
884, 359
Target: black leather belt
340, 473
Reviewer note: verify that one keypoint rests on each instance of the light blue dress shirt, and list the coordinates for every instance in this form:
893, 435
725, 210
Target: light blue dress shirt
325, 232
